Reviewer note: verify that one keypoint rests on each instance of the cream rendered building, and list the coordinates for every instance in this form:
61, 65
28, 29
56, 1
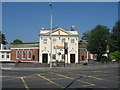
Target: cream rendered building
61, 39
4, 54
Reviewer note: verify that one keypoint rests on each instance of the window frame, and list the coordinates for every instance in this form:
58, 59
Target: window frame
54, 56
24, 54
63, 40
72, 40
54, 40
44, 40
29, 55
3, 56
18, 56
7, 55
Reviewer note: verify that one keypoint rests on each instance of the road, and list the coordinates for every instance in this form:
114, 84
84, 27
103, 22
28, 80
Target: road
61, 78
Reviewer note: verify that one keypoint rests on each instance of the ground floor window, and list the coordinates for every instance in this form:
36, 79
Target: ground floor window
29, 54
3, 56
54, 56
23, 54
18, 54
7, 55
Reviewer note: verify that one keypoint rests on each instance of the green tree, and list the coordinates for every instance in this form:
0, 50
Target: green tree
114, 42
97, 40
115, 56
3, 39
17, 41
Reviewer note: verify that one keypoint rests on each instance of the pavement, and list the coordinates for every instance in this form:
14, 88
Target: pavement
104, 76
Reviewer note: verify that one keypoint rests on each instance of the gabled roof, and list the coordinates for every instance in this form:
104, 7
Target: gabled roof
57, 29
48, 32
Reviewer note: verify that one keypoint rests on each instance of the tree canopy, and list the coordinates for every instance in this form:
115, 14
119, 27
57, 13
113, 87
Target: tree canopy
115, 38
3, 39
97, 40
17, 41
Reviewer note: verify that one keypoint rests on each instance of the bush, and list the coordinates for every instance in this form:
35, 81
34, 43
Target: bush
115, 56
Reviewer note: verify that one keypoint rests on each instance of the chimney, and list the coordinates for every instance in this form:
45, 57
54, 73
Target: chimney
43, 28
73, 28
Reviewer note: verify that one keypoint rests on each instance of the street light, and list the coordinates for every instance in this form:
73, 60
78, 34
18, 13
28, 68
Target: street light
51, 34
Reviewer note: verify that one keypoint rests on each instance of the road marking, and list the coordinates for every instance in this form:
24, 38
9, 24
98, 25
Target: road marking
28, 76
90, 84
26, 86
50, 80
91, 77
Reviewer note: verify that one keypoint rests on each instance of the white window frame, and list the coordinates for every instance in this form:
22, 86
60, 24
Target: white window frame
28, 54
54, 56
7, 54
3, 54
63, 40
44, 40
23, 55
17, 54
54, 40
72, 40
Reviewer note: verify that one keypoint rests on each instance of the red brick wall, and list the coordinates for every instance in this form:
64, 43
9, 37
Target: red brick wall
35, 52
82, 52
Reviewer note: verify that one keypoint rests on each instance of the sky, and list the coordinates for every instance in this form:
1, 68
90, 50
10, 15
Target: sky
24, 20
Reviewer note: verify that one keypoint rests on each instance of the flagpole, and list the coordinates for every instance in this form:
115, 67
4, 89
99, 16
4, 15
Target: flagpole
51, 34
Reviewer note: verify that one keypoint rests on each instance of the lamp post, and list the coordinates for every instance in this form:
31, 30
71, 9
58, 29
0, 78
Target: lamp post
51, 34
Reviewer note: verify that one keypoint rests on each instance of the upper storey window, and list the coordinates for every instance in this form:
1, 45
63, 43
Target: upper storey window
63, 40
72, 40
44, 40
54, 40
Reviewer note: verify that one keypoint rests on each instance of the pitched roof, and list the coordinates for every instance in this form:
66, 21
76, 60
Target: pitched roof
24, 43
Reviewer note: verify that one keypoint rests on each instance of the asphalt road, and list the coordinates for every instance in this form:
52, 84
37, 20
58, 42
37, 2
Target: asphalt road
61, 78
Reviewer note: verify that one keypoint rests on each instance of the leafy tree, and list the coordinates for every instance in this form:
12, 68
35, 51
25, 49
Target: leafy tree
3, 39
115, 56
97, 40
17, 41
85, 36
114, 42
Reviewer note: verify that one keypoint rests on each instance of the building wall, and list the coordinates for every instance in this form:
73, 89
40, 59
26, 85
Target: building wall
82, 55
35, 52
4, 54
59, 34
33, 48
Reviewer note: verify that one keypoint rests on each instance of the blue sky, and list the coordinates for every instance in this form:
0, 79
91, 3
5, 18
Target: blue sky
24, 20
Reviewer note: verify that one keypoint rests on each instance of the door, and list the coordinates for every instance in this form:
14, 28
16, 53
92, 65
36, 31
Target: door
33, 57
44, 58
72, 58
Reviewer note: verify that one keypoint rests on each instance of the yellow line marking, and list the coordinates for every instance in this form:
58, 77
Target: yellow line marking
26, 86
20, 77
91, 77
50, 80
73, 79
55, 78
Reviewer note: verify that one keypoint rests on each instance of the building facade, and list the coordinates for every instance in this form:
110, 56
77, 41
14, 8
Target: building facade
64, 45
25, 52
4, 54
84, 54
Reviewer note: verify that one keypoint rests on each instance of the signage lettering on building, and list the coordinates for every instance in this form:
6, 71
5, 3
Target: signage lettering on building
57, 47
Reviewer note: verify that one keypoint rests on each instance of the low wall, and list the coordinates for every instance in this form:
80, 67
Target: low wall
32, 65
